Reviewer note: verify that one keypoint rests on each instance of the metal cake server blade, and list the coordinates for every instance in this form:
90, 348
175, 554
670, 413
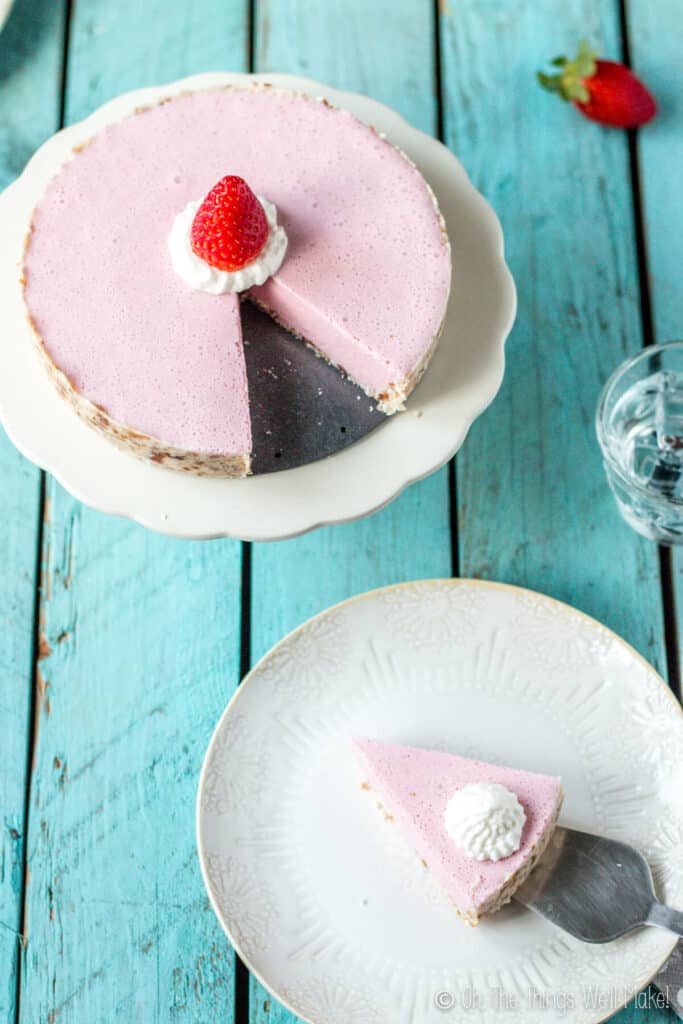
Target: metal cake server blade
302, 408
595, 888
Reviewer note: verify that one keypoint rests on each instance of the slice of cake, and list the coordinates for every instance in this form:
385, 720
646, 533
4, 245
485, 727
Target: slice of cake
480, 828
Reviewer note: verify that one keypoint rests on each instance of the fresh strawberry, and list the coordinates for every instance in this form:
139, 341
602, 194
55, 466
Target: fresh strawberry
602, 90
230, 227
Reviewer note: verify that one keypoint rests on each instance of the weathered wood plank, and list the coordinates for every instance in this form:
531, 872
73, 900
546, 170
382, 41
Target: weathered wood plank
121, 46
655, 43
143, 634
143, 640
534, 507
381, 49
655, 1013
30, 62
656, 38
385, 49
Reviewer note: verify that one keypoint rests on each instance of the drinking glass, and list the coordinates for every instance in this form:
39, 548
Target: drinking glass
639, 424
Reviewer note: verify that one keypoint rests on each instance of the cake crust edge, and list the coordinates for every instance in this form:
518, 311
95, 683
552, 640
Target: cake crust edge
512, 883
135, 442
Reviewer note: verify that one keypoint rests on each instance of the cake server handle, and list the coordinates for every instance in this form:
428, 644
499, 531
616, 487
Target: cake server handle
669, 980
665, 917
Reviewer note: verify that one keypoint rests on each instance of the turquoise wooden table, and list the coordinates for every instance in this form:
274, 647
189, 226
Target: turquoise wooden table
119, 649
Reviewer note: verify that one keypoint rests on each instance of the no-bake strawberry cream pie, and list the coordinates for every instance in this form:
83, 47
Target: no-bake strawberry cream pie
148, 237
480, 828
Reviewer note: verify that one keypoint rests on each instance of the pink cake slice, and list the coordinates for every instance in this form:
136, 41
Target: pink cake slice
414, 786
159, 367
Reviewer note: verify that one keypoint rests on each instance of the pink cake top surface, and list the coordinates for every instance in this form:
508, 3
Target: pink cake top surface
366, 251
415, 786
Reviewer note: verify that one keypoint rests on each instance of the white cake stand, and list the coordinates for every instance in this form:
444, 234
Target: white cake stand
5, 7
463, 378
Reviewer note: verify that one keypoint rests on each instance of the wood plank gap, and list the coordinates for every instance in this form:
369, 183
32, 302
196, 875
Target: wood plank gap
242, 985
37, 693
251, 35
673, 664
437, 6
36, 647
646, 316
241, 992
245, 623
36, 708
453, 517
438, 81
648, 335
68, 11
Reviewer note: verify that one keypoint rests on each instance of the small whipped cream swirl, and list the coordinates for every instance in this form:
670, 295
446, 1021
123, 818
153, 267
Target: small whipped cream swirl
485, 820
202, 277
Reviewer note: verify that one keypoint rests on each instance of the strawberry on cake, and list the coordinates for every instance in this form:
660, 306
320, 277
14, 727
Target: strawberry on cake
147, 239
479, 828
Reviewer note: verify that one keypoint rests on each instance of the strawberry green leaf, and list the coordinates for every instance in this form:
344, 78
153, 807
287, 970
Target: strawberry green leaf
570, 82
553, 83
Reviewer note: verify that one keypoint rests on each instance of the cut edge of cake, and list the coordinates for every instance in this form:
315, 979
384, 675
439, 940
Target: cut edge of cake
391, 399
517, 878
509, 885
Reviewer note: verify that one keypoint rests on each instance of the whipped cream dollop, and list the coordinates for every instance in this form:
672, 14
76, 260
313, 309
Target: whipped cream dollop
201, 276
485, 820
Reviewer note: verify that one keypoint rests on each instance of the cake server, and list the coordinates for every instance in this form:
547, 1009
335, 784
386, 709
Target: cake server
302, 408
595, 888
669, 980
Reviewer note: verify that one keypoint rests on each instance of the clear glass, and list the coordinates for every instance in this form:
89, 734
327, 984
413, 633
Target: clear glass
639, 423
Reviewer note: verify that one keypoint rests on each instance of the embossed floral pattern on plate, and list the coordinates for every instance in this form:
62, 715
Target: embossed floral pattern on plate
316, 890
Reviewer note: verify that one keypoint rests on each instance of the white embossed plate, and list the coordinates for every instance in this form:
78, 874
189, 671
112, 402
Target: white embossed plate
321, 896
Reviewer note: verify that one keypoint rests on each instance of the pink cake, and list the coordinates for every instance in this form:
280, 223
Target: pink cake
414, 787
159, 367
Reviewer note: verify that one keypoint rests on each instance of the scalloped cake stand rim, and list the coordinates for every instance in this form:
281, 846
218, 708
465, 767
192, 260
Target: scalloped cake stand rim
462, 380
